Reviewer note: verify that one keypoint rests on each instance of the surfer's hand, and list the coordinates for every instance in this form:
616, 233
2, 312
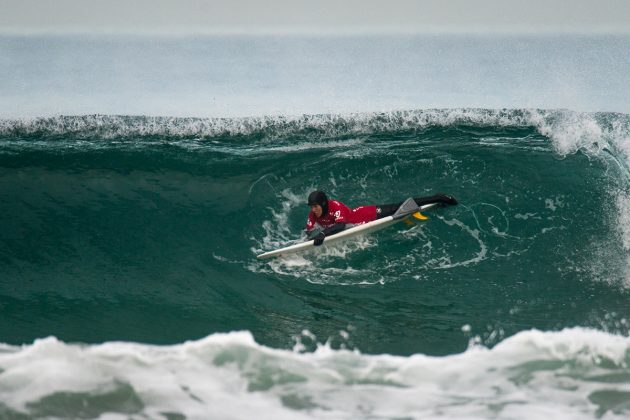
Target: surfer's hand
319, 239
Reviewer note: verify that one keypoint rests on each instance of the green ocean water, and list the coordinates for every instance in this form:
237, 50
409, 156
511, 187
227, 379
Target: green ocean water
129, 284
146, 229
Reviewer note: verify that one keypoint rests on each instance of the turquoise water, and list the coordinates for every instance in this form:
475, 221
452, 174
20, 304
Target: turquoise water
129, 284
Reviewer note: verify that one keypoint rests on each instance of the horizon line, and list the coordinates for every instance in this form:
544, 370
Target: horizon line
312, 30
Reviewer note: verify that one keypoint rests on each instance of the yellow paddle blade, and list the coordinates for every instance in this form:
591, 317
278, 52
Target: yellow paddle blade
420, 216
408, 222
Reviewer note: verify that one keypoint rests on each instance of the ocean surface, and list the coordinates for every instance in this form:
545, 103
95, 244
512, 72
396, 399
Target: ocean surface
140, 177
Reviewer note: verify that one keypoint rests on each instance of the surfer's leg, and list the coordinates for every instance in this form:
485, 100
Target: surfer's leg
384, 210
437, 198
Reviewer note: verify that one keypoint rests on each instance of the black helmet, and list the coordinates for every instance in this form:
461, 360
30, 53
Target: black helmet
319, 197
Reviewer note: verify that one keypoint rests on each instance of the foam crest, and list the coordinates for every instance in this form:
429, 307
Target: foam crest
570, 129
574, 373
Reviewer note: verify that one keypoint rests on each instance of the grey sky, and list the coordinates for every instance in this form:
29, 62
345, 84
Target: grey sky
200, 16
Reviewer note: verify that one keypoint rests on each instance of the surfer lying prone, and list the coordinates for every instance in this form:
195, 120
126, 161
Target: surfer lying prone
332, 216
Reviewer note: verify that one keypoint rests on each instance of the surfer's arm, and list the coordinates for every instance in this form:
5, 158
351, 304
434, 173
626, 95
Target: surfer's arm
310, 234
336, 228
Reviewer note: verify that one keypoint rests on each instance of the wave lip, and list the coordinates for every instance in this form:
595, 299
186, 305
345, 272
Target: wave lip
112, 126
568, 129
573, 373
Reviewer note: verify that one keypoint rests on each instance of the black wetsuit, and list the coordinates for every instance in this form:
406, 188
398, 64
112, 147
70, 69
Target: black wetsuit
384, 210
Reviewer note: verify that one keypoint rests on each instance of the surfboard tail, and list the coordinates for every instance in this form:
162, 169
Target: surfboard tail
408, 207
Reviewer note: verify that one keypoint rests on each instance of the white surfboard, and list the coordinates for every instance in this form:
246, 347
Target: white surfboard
406, 210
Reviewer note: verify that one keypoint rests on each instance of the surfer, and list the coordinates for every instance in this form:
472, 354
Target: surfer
333, 215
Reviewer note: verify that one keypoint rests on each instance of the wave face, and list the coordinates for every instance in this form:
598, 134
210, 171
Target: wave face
118, 229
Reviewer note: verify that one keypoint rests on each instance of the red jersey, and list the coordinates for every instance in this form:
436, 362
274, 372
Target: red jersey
339, 212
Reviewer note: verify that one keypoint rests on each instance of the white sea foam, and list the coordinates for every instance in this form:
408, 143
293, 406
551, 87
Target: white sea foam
623, 208
318, 266
571, 374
